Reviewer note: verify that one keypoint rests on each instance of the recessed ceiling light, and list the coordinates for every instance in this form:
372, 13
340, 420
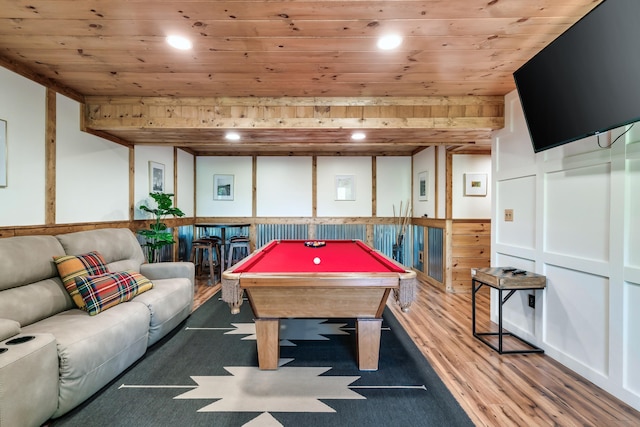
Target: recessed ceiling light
391, 41
232, 136
179, 42
358, 136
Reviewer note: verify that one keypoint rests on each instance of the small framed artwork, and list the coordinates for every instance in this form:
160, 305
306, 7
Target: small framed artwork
222, 187
475, 184
156, 177
345, 187
3, 153
423, 185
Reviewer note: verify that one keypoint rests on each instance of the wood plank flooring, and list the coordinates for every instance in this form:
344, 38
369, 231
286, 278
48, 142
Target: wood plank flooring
495, 390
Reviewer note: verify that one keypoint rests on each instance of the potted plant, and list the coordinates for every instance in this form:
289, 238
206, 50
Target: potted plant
157, 235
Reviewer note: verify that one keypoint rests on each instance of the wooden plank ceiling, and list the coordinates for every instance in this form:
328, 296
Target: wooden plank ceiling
291, 77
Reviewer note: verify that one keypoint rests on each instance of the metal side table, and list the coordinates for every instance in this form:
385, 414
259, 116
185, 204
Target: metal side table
504, 279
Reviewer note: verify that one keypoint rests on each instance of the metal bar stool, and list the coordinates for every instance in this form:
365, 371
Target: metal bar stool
210, 246
239, 243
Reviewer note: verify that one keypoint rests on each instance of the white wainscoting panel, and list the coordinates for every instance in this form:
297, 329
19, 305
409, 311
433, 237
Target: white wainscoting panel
632, 338
577, 316
633, 222
577, 211
520, 195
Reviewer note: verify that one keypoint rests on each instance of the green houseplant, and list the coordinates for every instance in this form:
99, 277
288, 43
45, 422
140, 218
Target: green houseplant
157, 235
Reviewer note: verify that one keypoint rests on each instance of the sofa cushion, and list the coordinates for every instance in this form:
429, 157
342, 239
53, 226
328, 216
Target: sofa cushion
103, 291
8, 328
115, 244
35, 301
27, 259
72, 266
93, 350
169, 302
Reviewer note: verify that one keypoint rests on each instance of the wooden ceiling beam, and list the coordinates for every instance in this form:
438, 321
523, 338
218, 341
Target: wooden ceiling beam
128, 113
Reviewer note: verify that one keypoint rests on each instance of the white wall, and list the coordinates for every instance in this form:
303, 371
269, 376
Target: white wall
92, 174
185, 193
22, 106
284, 186
241, 169
88, 190
360, 169
393, 185
576, 215
463, 205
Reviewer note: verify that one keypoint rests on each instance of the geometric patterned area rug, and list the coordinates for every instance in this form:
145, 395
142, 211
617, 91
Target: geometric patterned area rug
206, 374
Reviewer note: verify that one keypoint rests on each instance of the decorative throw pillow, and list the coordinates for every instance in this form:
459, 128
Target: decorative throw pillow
107, 290
72, 266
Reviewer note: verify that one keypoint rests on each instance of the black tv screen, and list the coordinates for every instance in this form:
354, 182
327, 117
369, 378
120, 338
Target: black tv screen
587, 80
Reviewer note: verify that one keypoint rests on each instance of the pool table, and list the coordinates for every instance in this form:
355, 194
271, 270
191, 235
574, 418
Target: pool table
318, 279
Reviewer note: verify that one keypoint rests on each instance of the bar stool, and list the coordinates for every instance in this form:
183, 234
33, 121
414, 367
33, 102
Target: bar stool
210, 246
239, 243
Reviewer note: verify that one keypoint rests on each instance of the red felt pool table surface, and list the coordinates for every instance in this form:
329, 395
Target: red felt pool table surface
336, 256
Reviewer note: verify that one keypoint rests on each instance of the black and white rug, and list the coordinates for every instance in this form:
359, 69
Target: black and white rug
206, 374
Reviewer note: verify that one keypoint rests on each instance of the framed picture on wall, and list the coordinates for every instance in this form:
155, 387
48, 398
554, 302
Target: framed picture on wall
3, 153
222, 187
156, 177
422, 186
475, 184
345, 187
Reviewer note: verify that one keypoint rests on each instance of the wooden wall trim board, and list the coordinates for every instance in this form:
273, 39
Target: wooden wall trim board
53, 229
132, 182
254, 186
448, 210
195, 186
175, 198
448, 254
437, 181
50, 157
374, 186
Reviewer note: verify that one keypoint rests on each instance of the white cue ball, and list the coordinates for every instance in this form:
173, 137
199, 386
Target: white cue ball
316, 260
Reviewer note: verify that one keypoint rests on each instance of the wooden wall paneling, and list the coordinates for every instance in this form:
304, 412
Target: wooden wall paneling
449, 185
314, 196
448, 254
132, 182
436, 175
176, 248
254, 203
50, 158
53, 229
374, 186
471, 248
370, 235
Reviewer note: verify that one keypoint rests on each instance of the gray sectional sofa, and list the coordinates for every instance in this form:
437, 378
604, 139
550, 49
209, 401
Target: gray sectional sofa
53, 356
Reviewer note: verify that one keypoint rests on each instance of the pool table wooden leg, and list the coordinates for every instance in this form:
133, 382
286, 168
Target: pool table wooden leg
368, 337
268, 342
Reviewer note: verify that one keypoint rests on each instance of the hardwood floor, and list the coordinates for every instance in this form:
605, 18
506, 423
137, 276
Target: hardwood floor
496, 390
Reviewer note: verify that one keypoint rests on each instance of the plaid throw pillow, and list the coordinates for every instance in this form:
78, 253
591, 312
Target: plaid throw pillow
107, 290
72, 266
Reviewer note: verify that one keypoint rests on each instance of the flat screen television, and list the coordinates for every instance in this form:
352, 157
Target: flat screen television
587, 80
